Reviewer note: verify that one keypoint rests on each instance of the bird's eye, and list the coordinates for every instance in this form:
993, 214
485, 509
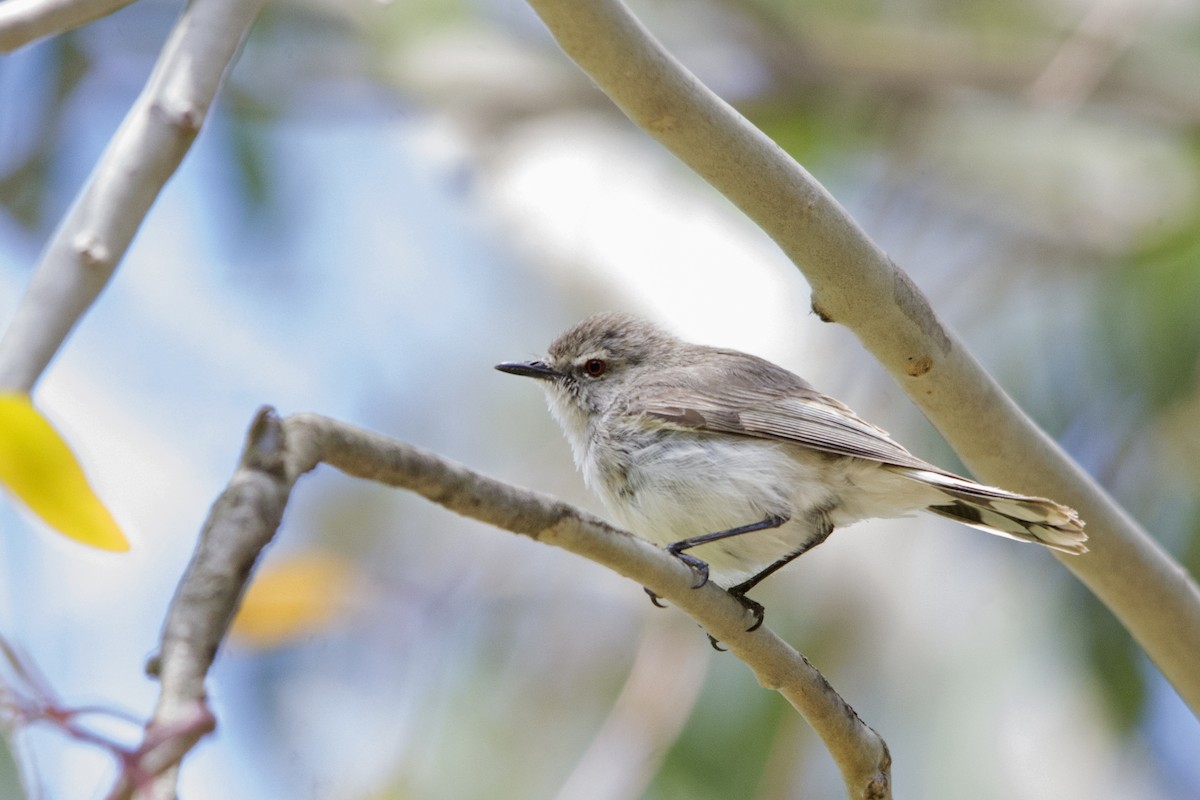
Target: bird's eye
594, 367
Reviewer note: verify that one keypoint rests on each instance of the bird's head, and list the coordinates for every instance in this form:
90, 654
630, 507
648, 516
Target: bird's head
591, 364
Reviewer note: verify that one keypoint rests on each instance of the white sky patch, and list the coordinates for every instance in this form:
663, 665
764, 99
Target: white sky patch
583, 197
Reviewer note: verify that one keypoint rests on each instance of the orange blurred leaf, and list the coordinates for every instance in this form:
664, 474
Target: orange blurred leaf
292, 598
39, 468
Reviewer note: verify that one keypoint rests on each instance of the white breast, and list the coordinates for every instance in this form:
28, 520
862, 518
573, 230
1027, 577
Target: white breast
665, 486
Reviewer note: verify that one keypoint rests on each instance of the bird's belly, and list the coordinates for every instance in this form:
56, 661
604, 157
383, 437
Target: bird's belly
678, 487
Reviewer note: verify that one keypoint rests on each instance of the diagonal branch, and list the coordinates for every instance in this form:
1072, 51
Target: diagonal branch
143, 154
855, 283
246, 516
1081, 62
23, 21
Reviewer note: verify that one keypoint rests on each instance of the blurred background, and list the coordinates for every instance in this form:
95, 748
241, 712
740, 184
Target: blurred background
389, 198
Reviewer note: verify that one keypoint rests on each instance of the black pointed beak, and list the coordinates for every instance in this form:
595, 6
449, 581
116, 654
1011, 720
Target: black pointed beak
530, 369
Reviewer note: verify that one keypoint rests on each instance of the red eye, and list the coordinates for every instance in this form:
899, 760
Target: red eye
594, 367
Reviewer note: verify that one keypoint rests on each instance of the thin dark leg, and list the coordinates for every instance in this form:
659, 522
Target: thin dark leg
699, 567
739, 591
750, 583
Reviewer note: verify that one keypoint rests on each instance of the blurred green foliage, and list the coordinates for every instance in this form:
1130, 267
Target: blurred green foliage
24, 180
1148, 317
724, 747
10, 776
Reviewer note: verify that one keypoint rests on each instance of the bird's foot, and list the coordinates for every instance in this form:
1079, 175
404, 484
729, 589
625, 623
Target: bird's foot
755, 608
699, 568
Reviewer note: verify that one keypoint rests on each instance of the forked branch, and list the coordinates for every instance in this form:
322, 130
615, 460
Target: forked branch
246, 515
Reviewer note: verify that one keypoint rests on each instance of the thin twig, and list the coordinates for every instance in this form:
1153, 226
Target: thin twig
855, 283
23, 21
278, 452
1103, 34
645, 720
143, 154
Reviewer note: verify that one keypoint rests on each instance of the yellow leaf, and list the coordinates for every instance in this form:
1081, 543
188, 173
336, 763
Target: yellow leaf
38, 467
292, 598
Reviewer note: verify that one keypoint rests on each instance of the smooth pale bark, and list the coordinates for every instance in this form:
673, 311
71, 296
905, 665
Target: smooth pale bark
92, 238
856, 284
23, 21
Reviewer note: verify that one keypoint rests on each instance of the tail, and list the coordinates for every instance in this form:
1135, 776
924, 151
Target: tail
1017, 516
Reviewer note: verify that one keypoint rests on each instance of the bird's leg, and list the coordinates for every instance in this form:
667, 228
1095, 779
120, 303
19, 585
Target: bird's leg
825, 527
739, 592
699, 567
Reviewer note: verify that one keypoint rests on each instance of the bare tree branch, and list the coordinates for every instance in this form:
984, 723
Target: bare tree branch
889, 55
278, 452
645, 719
1080, 63
240, 524
855, 283
23, 21
145, 151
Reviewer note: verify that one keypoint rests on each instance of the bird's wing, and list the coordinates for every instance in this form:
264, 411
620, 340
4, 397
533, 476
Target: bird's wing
767, 402
734, 401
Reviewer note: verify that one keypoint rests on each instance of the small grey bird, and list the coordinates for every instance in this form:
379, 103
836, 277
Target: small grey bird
737, 466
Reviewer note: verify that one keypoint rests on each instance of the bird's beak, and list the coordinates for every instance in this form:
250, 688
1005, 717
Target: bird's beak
530, 369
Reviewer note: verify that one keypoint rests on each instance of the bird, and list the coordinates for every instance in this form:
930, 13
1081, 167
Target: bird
737, 466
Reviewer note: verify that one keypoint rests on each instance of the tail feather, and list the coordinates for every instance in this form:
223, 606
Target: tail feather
1017, 516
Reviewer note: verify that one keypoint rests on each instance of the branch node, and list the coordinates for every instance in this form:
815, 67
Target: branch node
662, 123
265, 442
916, 366
93, 252
185, 117
820, 311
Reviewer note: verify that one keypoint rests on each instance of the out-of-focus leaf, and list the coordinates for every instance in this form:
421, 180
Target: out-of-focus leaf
293, 598
1115, 663
824, 130
10, 775
723, 749
39, 468
28, 158
1154, 330
1147, 316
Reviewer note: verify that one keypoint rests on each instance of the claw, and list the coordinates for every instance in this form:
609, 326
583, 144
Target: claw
653, 596
759, 613
699, 568
755, 608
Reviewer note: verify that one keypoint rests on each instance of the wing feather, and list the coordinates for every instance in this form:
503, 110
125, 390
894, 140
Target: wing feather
751, 397
738, 394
